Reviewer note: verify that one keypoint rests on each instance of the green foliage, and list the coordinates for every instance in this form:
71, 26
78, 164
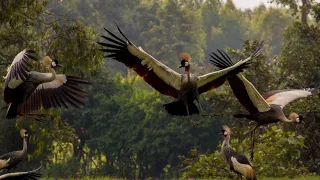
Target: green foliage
270, 160
127, 132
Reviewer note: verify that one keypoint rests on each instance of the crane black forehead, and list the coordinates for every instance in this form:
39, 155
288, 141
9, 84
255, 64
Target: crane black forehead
183, 61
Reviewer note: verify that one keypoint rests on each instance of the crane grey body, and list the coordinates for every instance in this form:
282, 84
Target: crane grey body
238, 162
15, 157
275, 114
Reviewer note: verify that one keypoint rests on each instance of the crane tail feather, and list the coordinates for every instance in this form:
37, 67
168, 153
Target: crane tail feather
12, 111
179, 109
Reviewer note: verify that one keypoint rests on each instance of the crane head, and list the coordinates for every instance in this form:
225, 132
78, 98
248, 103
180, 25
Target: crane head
185, 59
225, 131
48, 62
55, 63
296, 118
23, 133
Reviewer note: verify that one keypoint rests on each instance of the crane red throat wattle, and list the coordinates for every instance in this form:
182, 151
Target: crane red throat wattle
186, 69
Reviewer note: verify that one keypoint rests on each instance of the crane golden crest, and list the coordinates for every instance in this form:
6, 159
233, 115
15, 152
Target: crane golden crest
47, 61
185, 56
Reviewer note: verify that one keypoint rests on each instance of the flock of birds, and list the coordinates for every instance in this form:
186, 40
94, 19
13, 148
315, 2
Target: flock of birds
26, 92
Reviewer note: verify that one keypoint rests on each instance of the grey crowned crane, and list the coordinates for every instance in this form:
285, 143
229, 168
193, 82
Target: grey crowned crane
238, 162
27, 91
27, 175
184, 87
14, 157
266, 108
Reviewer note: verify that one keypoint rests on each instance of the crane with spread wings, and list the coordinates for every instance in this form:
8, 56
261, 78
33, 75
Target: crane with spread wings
27, 91
266, 108
185, 88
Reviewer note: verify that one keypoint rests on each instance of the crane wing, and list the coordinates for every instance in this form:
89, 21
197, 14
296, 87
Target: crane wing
28, 175
215, 79
156, 74
60, 92
18, 71
283, 97
247, 94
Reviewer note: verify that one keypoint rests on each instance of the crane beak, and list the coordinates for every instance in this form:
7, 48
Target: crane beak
181, 66
59, 65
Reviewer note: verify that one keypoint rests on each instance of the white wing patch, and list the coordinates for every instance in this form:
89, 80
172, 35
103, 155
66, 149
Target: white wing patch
256, 98
284, 97
13, 83
57, 82
4, 163
169, 76
17, 58
244, 169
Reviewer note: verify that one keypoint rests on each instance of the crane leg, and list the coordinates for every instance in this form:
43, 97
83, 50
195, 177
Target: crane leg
252, 134
202, 111
194, 124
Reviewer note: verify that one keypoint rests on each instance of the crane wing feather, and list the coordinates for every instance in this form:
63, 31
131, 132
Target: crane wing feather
223, 61
283, 97
18, 71
28, 175
61, 92
247, 94
156, 74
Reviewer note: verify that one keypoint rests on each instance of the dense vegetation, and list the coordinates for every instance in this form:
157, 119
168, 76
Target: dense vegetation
123, 131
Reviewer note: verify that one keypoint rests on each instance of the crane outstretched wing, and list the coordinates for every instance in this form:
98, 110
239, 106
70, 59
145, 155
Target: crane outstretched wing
156, 74
28, 175
61, 92
243, 89
283, 97
215, 79
18, 71
247, 94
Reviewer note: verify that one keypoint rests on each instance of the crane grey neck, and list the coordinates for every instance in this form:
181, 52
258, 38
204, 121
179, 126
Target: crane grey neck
24, 150
225, 144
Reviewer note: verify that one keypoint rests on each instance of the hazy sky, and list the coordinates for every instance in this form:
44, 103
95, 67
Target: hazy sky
249, 3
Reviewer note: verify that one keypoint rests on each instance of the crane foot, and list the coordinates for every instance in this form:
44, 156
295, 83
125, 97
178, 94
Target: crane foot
210, 114
194, 123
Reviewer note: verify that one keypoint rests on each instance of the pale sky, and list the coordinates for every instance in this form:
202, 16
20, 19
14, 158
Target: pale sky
243, 4
250, 3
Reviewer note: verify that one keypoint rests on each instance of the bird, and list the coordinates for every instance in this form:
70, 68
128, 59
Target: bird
14, 157
239, 163
185, 88
27, 91
27, 175
266, 108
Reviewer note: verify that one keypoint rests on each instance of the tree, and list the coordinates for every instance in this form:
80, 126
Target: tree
304, 6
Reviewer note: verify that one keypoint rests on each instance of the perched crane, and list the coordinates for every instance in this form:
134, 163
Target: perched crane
184, 87
266, 108
27, 175
27, 91
238, 162
14, 157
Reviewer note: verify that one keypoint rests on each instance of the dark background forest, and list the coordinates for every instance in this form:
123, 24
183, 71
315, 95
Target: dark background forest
123, 130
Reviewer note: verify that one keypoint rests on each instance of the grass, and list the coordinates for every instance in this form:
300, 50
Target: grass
299, 178
265, 178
